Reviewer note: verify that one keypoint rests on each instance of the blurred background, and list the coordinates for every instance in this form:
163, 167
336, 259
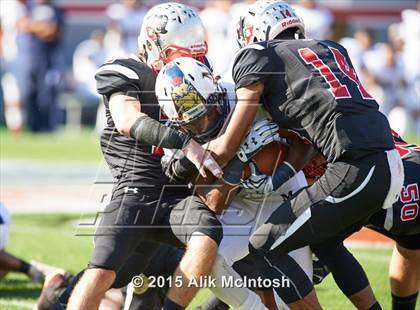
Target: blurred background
50, 50
52, 176
51, 115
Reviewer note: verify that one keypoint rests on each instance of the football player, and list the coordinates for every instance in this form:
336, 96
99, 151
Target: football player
11, 263
143, 199
311, 88
401, 223
198, 104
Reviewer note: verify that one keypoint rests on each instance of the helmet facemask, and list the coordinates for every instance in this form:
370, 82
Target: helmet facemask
191, 98
209, 124
173, 51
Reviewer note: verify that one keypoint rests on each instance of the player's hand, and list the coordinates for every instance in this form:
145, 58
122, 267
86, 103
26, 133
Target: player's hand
261, 133
258, 181
300, 152
202, 159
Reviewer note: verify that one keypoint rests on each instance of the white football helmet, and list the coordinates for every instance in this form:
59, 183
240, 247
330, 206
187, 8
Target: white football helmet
191, 98
171, 26
265, 19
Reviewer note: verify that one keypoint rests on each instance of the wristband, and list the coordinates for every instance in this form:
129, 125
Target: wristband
24, 266
147, 130
183, 168
282, 174
232, 173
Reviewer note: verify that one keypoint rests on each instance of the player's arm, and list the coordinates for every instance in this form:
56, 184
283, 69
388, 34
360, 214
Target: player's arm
250, 71
131, 122
46, 30
300, 153
126, 113
226, 145
217, 195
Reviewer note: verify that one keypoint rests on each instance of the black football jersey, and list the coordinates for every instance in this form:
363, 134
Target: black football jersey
403, 218
311, 88
407, 151
131, 162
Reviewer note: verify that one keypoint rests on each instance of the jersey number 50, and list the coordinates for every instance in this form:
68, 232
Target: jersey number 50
337, 87
410, 197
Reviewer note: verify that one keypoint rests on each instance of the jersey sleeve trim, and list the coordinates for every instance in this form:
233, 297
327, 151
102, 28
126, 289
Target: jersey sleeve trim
127, 72
250, 66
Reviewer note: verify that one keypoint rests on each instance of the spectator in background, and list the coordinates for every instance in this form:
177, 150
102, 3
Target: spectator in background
383, 70
380, 67
2, 121
357, 47
318, 20
125, 21
88, 56
364, 40
216, 19
40, 55
410, 34
10, 263
10, 13
237, 10
387, 71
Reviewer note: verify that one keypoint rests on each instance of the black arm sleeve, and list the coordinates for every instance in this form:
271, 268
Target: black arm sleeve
232, 173
184, 169
178, 168
150, 131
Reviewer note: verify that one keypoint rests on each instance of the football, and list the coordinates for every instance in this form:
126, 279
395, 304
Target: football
268, 158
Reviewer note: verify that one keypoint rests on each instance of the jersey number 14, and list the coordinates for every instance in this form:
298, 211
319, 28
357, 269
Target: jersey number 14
338, 88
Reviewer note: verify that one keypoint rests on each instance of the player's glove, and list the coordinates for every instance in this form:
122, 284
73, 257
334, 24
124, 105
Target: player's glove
261, 133
176, 166
258, 181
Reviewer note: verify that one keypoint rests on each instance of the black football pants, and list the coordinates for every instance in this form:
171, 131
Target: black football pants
338, 204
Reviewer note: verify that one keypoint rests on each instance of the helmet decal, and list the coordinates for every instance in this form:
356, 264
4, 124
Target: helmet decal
185, 98
192, 98
174, 74
249, 33
183, 94
285, 13
171, 27
159, 23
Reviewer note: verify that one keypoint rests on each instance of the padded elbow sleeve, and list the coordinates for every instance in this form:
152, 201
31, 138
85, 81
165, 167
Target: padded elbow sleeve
150, 131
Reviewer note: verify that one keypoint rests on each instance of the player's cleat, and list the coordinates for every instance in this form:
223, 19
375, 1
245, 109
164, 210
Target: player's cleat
35, 274
320, 271
55, 284
47, 269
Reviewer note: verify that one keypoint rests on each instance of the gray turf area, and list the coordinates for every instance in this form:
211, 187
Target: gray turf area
64, 187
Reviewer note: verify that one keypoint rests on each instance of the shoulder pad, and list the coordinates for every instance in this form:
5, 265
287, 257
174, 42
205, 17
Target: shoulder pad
120, 75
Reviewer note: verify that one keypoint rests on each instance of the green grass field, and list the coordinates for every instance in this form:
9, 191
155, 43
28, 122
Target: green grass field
50, 239
59, 146
67, 146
